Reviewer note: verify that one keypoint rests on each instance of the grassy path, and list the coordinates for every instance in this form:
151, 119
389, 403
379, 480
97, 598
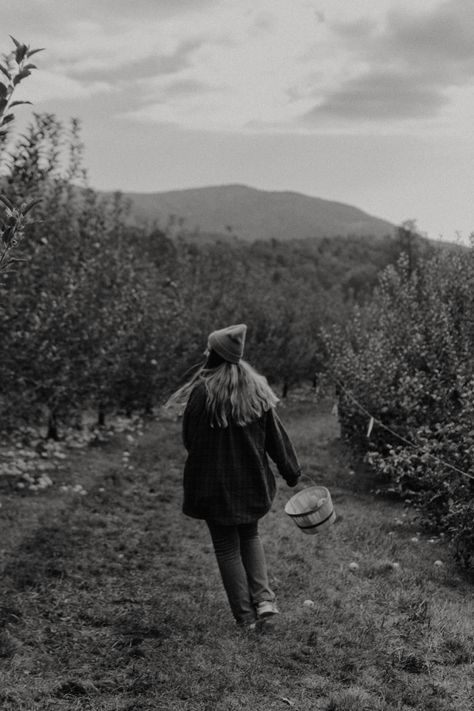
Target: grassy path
112, 601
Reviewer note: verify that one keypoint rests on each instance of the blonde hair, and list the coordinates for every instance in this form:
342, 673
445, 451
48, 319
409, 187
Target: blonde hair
235, 392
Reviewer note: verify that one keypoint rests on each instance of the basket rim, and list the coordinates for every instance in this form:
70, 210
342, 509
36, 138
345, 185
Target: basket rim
311, 511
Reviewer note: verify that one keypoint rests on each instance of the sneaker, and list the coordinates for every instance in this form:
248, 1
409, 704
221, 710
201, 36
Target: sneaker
267, 608
248, 626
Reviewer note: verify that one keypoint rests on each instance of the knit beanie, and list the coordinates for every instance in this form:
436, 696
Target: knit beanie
229, 342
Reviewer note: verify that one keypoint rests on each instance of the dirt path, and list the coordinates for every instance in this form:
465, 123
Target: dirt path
111, 600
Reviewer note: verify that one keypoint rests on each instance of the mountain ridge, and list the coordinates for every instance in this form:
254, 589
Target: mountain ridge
251, 214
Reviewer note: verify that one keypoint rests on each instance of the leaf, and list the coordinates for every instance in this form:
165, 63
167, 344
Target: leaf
21, 75
8, 235
20, 53
5, 71
8, 118
370, 427
31, 205
3, 89
31, 52
6, 202
17, 44
17, 103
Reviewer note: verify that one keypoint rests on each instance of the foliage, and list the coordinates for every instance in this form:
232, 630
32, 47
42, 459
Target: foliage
111, 316
285, 292
68, 315
14, 216
407, 359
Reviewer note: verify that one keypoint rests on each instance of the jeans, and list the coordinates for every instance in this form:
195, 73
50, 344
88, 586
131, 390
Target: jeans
241, 560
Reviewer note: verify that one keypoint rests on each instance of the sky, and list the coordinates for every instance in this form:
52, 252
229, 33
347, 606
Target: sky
369, 103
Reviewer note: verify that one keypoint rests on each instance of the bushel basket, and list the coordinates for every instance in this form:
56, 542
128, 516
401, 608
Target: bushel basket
311, 509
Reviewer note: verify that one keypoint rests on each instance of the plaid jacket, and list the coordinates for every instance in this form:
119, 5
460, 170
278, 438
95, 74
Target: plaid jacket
227, 475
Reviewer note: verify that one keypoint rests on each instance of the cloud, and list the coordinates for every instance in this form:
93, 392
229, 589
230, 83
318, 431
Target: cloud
152, 64
251, 58
52, 16
102, 35
94, 47
261, 65
48, 86
408, 65
185, 87
119, 9
442, 34
380, 95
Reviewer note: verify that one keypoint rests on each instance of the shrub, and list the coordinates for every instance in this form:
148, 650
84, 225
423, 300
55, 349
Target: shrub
14, 68
406, 358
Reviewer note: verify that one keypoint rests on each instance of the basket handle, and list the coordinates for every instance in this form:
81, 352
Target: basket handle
308, 478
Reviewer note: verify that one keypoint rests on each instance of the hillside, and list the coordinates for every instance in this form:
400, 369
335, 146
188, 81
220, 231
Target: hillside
252, 214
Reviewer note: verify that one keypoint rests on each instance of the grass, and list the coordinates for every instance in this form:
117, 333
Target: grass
112, 601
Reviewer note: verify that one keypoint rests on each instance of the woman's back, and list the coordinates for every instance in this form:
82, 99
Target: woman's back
227, 476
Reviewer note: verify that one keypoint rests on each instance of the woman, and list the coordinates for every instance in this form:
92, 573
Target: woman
229, 427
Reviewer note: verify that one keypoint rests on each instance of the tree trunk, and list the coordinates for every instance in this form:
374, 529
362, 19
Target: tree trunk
52, 427
285, 389
101, 415
148, 408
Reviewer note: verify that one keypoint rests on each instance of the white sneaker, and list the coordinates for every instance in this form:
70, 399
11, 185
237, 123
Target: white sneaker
248, 626
267, 608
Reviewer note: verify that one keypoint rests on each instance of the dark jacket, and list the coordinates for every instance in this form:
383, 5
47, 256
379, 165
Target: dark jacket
227, 476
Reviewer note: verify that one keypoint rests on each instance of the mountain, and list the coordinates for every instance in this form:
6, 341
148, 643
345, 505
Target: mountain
251, 214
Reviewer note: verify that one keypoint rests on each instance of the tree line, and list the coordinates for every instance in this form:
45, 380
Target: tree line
107, 315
